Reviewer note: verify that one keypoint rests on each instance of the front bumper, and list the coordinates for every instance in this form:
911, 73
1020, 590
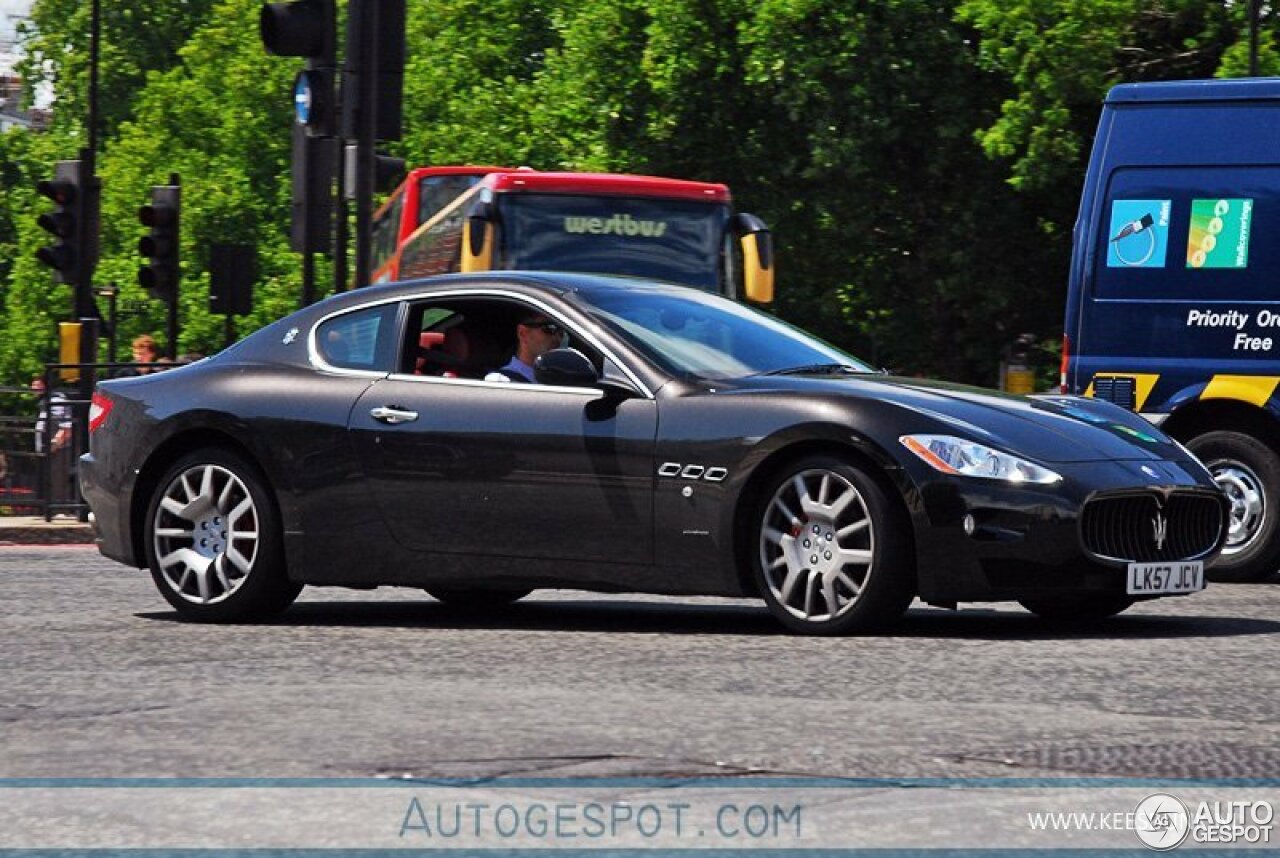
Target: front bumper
1026, 540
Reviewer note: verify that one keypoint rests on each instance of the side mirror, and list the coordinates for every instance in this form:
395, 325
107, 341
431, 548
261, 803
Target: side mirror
571, 368
478, 238
565, 368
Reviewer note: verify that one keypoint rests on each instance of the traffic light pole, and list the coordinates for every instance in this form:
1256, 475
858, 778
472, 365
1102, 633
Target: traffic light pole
1254, 12
341, 217
162, 246
308, 279
86, 307
366, 128
370, 83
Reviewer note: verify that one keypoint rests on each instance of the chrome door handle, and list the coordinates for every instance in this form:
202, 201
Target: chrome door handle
386, 414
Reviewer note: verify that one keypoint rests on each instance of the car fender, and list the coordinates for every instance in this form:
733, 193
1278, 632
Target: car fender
188, 431
763, 462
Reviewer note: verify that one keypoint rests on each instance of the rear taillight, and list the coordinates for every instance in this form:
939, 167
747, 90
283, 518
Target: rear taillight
1066, 357
99, 408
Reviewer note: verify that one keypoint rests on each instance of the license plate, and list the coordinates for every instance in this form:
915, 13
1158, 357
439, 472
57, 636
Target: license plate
1151, 578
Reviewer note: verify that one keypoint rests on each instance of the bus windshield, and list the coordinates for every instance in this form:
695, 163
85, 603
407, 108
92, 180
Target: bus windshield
673, 240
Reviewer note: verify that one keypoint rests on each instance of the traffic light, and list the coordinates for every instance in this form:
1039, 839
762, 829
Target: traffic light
375, 50
65, 223
312, 211
306, 28
160, 275
232, 269
388, 170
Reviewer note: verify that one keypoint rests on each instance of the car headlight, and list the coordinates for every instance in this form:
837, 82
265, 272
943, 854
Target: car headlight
953, 455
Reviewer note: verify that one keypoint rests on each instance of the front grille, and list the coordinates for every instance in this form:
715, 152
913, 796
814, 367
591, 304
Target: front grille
1123, 527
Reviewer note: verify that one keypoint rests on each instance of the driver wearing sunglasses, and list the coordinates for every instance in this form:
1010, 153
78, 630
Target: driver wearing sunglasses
535, 335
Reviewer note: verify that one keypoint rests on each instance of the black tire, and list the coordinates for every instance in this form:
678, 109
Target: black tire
476, 598
1244, 468
245, 577
1078, 608
885, 579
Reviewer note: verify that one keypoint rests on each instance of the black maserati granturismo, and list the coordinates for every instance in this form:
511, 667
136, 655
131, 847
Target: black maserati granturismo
674, 442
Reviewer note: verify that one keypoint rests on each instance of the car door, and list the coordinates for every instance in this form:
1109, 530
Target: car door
464, 465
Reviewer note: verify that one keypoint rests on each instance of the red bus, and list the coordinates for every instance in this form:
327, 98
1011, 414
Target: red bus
445, 219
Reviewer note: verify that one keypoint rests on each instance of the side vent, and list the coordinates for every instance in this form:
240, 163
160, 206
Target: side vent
1119, 390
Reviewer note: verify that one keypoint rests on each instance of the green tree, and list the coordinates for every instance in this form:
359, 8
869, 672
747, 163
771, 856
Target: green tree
136, 40
1061, 56
15, 197
32, 302
849, 126
220, 118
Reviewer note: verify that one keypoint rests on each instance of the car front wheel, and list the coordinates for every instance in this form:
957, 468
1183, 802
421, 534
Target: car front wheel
832, 551
214, 542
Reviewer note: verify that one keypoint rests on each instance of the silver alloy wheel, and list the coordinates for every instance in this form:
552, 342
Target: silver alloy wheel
817, 545
206, 534
1248, 503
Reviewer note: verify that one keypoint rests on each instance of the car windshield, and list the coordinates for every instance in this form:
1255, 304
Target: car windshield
689, 334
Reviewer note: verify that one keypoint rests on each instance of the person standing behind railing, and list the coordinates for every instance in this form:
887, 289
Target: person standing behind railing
52, 405
54, 409
145, 351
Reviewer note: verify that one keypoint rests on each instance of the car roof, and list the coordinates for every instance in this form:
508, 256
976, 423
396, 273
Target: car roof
555, 282
274, 342
1236, 89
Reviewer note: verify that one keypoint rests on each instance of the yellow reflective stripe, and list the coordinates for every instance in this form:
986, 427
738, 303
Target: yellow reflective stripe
1254, 389
1143, 382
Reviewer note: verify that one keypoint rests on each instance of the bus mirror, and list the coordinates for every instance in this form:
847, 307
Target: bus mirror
757, 258
757, 267
478, 238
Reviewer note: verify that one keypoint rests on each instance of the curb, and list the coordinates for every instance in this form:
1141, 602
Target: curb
37, 531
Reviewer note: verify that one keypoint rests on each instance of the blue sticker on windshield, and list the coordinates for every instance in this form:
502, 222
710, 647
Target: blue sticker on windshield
1139, 234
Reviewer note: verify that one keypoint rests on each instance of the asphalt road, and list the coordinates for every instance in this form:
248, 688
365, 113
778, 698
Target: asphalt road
99, 678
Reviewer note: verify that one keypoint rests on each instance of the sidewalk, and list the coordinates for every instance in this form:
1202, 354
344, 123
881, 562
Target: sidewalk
34, 530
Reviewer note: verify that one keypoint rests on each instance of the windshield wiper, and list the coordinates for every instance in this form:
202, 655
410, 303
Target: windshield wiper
818, 369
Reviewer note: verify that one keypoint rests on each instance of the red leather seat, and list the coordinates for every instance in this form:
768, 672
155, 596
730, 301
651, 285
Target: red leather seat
427, 341
462, 353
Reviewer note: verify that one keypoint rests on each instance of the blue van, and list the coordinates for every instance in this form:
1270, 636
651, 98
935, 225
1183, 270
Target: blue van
1173, 307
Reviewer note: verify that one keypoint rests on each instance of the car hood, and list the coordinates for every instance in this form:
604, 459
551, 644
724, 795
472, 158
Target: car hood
1047, 428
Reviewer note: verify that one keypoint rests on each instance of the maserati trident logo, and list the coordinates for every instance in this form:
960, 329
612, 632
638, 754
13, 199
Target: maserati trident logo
1160, 529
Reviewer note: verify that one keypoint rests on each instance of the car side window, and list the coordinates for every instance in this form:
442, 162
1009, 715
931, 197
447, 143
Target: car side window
469, 337
362, 339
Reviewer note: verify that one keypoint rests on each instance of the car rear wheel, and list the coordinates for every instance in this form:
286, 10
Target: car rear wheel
1077, 608
832, 554
214, 541
470, 597
1249, 472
